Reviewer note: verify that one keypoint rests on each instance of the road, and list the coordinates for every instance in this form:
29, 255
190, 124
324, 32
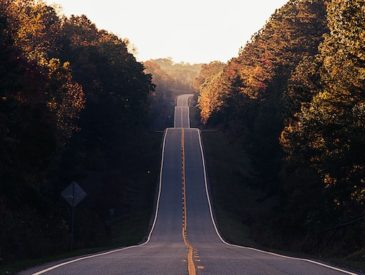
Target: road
181, 117
184, 239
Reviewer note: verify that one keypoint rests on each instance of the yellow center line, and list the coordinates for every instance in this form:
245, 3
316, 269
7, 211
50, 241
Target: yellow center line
191, 264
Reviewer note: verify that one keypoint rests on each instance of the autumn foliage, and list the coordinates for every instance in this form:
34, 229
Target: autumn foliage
72, 102
294, 98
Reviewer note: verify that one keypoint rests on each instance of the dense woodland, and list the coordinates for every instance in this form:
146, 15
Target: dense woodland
294, 98
73, 107
171, 79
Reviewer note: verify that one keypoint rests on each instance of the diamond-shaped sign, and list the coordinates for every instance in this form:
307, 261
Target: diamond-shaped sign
73, 194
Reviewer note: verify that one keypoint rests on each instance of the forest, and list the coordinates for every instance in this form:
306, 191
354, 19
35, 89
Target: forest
171, 79
294, 100
74, 106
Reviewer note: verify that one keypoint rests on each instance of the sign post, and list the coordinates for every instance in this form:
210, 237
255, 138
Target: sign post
73, 194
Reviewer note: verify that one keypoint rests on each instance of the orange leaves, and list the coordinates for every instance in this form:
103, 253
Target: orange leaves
66, 98
35, 26
255, 78
292, 33
210, 85
35, 29
210, 96
328, 133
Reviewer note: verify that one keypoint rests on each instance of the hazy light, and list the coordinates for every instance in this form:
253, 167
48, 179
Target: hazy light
190, 30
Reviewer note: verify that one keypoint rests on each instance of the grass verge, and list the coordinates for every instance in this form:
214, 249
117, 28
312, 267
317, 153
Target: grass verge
236, 203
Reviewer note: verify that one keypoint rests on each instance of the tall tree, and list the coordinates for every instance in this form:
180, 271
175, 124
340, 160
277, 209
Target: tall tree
328, 133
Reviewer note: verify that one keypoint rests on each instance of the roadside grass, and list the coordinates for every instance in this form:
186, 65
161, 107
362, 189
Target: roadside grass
224, 170
237, 206
194, 118
130, 230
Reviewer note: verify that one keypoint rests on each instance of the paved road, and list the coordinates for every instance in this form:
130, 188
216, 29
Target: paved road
184, 239
181, 118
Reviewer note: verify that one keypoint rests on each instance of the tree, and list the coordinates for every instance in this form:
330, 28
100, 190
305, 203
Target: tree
208, 82
328, 133
294, 98
73, 102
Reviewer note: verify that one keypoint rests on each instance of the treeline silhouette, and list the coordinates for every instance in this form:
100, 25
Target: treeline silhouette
171, 79
73, 106
295, 99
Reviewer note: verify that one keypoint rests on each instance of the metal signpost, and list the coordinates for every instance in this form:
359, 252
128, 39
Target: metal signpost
73, 194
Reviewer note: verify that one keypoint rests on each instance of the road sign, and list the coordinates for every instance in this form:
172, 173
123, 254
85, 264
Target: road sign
73, 194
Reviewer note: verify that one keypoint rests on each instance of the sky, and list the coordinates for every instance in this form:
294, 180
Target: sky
194, 31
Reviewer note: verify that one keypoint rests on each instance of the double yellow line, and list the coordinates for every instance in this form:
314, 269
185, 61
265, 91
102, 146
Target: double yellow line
191, 264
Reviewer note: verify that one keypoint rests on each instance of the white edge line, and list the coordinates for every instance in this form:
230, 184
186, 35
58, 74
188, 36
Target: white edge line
181, 107
175, 117
250, 248
190, 95
129, 247
188, 116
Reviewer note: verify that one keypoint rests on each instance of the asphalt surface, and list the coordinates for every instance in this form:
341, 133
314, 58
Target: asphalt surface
183, 193
181, 117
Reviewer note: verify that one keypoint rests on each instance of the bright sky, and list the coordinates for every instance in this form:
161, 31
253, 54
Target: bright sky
187, 30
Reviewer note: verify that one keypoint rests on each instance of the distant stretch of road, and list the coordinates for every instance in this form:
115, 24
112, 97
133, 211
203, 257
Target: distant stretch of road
181, 117
184, 238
